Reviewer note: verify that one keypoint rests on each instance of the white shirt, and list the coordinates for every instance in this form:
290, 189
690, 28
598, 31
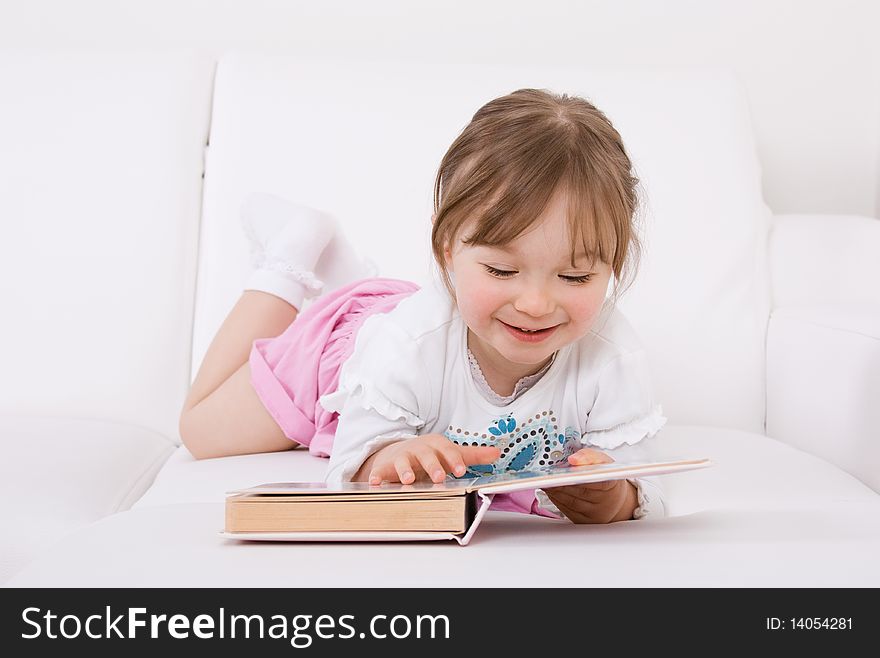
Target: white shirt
409, 375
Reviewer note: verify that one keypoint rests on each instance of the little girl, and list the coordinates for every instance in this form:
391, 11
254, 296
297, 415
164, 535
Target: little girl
515, 360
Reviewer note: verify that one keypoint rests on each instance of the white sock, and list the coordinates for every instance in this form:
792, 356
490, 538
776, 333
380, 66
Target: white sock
286, 241
292, 253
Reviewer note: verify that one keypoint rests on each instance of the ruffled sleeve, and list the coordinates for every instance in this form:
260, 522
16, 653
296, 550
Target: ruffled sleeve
623, 410
624, 414
384, 395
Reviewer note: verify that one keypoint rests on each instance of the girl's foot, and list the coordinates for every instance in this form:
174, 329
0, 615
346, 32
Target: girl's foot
286, 241
302, 244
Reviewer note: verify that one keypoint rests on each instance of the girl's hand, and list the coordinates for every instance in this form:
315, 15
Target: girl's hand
430, 456
598, 502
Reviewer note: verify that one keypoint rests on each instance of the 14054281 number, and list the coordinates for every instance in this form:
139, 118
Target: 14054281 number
809, 623
825, 623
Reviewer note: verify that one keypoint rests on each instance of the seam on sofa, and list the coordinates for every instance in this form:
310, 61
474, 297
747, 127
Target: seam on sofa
822, 325
766, 368
150, 471
195, 289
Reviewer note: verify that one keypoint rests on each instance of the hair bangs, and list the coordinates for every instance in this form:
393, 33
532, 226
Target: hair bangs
591, 221
518, 197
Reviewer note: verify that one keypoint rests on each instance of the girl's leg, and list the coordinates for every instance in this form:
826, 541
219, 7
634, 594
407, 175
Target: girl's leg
222, 414
257, 314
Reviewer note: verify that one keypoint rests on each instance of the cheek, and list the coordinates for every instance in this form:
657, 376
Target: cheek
584, 309
477, 303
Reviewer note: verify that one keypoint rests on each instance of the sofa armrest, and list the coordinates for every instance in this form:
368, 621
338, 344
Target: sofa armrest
823, 384
824, 259
823, 340
60, 474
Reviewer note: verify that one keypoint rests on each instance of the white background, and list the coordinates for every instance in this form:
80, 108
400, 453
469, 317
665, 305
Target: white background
811, 68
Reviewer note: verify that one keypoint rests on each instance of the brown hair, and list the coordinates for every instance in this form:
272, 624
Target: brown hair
507, 163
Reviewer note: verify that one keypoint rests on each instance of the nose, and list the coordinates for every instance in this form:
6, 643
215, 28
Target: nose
533, 299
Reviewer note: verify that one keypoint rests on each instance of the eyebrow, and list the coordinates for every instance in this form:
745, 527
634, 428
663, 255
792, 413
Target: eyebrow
510, 250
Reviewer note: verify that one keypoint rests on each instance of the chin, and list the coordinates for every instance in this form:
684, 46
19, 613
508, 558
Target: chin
526, 356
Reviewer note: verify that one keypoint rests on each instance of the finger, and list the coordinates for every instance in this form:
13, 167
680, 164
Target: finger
587, 456
577, 510
580, 518
451, 457
427, 458
577, 517
479, 454
570, 499
449, 453
404, 469
382, 471
580, 510
584, 500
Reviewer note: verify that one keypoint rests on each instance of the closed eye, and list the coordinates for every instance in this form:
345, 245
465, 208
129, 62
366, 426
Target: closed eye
503, 274
499, 273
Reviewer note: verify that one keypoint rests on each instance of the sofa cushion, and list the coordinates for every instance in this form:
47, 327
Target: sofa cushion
100, 193
184, 479
58, 474
179, 546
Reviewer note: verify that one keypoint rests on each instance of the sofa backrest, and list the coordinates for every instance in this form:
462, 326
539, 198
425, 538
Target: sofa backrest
100, 198
363, 141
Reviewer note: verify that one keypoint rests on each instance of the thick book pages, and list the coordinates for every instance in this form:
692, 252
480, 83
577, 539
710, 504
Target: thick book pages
417, 511
358, 511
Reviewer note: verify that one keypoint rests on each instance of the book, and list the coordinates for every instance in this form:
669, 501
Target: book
359, 511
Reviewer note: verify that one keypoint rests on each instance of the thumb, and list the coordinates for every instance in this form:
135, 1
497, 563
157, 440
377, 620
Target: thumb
479, 454
586, 456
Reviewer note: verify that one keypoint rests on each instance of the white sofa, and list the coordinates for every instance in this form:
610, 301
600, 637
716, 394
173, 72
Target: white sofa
121, 178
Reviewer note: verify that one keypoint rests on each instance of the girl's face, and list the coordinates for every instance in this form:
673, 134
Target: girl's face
529, 284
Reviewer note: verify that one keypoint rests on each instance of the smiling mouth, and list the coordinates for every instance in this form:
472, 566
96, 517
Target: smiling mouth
531, 331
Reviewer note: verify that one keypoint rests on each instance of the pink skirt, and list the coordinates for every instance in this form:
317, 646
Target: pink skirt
290, 372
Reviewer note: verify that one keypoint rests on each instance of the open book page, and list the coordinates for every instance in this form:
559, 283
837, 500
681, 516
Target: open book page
563, 474
552, 476
449, 487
